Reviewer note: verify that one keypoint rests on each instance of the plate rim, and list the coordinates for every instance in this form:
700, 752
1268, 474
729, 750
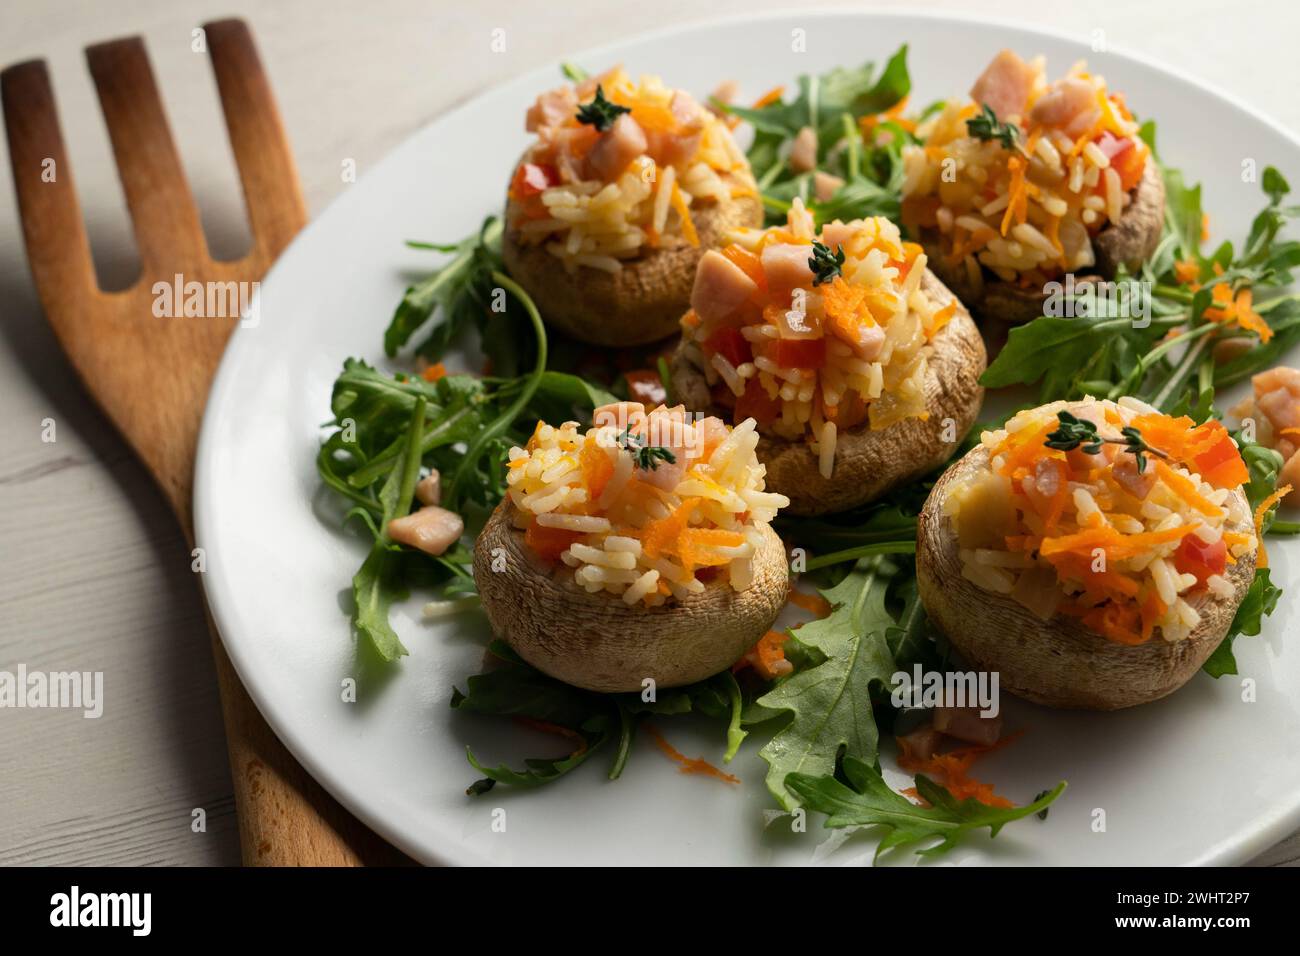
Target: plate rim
1273, 828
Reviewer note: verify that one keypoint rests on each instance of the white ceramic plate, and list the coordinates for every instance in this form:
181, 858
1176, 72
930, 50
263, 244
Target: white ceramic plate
1201, 777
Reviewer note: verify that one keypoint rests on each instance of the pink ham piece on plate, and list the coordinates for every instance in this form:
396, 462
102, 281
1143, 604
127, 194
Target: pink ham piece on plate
431, 529
721, 287
1004, 85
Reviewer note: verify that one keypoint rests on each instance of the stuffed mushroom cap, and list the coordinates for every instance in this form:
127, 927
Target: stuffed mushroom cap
1020, 623
598, 642
918, 355
1130, 242
608, 212
1028, 181
638, 550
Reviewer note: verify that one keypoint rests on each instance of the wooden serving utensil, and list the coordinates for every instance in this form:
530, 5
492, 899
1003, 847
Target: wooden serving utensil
151, 375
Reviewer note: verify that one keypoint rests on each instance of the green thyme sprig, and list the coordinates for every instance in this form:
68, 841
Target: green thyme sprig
1080, 433
646, 457
986, 126
600, 112
824, 263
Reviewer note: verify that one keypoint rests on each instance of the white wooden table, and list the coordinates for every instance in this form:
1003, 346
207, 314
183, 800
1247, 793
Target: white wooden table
94, 575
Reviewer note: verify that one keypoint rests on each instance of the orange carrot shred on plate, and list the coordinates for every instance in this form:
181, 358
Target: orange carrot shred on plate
767, 657
546, 727
696, 765
768, 98
951, 770
812, 603
1269, 502
434, 372
1186, 271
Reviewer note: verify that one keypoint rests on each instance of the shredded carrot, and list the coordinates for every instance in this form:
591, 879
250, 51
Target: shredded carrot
812, 603
951, 770
434, 372
698, 547
1185, 488
767, 657
1116, 544
688, 227
1017, 203
847, 307
868, 124
546, 727
549, 543
1186, 271
1262, 560
1249, 319
597, 469
665, 533
941, 318
770, 97
688, 765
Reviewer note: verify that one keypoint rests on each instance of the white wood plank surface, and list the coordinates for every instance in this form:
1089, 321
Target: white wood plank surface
94, 575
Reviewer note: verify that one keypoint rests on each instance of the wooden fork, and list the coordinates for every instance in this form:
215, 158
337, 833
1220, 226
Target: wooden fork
151, 375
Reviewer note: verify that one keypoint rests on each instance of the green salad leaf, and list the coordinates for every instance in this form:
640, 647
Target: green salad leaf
866, 800
830, 703
1260, 601
832, 104
513, 689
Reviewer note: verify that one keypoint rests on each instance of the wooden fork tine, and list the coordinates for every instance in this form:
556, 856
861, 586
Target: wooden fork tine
168, 231
272, 194
55, 232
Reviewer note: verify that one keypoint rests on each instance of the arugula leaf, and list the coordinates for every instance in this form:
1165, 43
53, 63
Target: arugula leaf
1259, 602
373, 586
832, 104
514, 689
831, 702
868, 801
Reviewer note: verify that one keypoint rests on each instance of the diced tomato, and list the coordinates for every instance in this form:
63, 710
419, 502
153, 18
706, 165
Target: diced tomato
1127, 160
730, 344
531, 179
644, 386
1196, 557
799, 353
756, 405
549, 543
1221, 463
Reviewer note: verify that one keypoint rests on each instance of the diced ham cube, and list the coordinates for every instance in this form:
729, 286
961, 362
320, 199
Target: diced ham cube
835, 234
1004, 85
620, 415
551, 109
1136, 483
674, 148
1063, 102
785, 265
428, 491
803, 151
965, 723
922, 743
616, 148
825, 186
721, 287
431, 529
